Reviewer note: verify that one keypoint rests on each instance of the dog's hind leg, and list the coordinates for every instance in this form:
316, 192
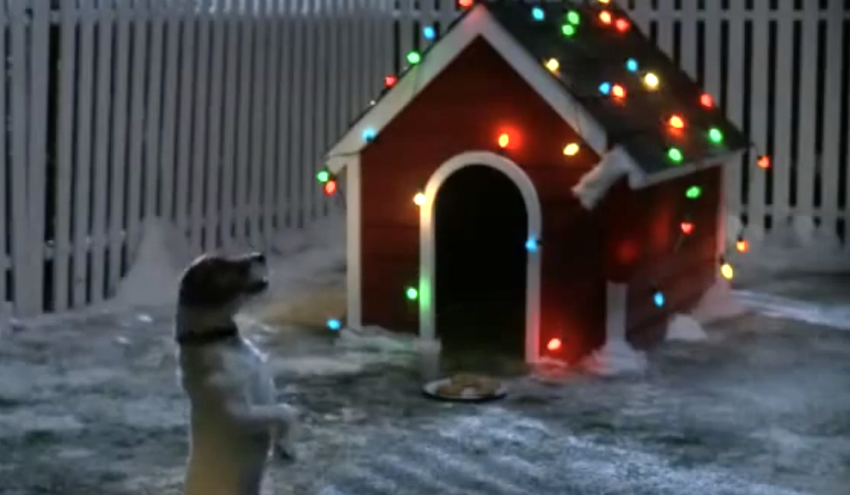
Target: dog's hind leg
283, 436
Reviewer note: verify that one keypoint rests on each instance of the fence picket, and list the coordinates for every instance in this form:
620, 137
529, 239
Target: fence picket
320, 137
309, 114
38, 168
99, 177
137, 125
82, 191
184, 192
231, 88
271, 163
807, 108
5, 215
284, 190
218, 33
688, 38
200, 161
118, 163
830, 119
255, 164
783, 103
759, 91
734, 99
159, 11
168, 140
664, 19
297, 110
406, 33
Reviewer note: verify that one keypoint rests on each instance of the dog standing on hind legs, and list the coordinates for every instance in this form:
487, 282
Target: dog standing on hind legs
236, 420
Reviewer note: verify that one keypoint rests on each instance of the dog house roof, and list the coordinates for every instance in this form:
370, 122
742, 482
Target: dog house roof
665, 130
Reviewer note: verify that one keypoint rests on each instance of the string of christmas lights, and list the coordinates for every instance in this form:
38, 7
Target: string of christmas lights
617, 91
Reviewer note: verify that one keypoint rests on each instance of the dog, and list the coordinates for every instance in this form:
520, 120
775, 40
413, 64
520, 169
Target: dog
235, 419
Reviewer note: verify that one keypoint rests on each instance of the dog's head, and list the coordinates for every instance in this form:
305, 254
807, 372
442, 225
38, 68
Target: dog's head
219, 285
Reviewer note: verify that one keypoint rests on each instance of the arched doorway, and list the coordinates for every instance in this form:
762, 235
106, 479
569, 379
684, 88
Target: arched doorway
480, 230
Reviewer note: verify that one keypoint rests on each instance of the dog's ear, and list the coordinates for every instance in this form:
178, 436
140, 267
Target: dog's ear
210, 281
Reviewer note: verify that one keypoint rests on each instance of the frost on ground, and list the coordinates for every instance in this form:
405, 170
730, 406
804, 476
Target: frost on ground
89, 404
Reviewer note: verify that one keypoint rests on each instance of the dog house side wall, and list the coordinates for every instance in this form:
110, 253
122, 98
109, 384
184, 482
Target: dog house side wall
463, 110
644, 228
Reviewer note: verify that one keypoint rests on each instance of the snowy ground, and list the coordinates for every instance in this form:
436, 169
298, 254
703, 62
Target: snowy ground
89, 404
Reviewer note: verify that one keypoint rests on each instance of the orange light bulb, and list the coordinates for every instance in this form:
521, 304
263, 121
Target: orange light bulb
763, 161
465, 4
504, 140
554, 344
605, 17
419, 199
676, 122
742, 245
618, 91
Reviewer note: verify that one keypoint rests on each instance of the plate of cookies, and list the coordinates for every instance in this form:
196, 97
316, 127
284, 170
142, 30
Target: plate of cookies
466, 387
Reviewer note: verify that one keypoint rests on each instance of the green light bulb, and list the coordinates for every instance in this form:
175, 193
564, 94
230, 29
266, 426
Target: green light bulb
573, 17
674, 155
411, 293
693, 192
568, 30
414, 58
715, 135
323, 176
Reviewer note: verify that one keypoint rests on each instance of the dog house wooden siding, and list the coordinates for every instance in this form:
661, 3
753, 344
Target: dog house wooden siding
462, 110
642, 236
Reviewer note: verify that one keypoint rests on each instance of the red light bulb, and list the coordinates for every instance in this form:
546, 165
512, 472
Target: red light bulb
706, 100
465, 4
687, 227
330, 187
389, 81
605, 17
623, 25
554, 344
763, 161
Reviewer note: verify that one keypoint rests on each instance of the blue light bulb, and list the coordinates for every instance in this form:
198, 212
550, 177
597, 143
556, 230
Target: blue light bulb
658, 298
538, 14
429, 33
632, 65
531, 245
605, 88
369, 134
334, 324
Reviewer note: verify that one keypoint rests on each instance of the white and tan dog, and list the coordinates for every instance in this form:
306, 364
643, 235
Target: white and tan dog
236, 421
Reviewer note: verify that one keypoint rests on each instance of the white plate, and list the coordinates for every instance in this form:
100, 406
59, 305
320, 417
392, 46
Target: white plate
431, 390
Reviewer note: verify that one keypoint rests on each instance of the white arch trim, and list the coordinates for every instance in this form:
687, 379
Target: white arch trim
427, 249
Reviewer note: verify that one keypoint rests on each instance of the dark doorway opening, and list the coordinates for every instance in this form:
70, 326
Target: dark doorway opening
481, 227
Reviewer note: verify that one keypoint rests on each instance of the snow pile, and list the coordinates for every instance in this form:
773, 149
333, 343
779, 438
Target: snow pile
593, 186
154, 275
616, 357
391, 346
716, 304
684, 328
308, 277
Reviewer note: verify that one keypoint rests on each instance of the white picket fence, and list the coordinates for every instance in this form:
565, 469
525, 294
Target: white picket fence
215, 114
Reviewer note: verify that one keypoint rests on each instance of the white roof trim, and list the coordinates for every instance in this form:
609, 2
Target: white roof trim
478, 22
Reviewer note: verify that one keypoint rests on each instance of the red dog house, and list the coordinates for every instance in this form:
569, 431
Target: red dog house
541, 176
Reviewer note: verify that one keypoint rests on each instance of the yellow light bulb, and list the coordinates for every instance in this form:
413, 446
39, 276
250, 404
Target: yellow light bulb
651, 80
727, 271
553, 64
419, 199
571, 149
